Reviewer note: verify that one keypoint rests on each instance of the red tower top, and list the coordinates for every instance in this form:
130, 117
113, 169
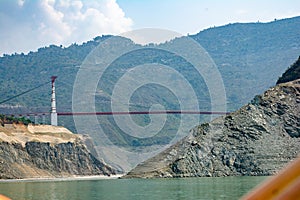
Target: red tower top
53, 78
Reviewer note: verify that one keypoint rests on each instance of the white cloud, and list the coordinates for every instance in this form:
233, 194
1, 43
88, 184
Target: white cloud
29, 24
21, 2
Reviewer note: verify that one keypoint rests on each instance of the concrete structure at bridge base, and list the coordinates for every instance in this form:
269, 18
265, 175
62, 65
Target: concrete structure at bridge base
53, 119
53, 103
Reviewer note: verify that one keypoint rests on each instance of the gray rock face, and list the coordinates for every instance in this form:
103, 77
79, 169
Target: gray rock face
258, 139
40, 159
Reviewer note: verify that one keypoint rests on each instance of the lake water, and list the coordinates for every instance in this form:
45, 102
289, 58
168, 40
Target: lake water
133, 189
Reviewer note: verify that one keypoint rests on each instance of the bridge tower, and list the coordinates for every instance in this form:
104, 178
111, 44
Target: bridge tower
53, 103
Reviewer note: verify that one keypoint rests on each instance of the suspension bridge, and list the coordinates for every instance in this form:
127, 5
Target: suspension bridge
54, 113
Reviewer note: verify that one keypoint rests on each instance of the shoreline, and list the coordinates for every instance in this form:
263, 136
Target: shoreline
58, 179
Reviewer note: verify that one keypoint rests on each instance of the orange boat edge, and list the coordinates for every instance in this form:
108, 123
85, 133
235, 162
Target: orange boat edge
285, 185
2, 197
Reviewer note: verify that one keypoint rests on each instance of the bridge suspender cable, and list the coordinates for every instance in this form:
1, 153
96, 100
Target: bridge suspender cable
25, 92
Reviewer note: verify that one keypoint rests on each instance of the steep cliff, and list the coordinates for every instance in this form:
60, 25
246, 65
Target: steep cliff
292, 73
46, 151
258, 139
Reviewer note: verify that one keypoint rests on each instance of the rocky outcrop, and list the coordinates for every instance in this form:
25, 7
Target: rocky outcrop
292, 73
258, 139
26, 153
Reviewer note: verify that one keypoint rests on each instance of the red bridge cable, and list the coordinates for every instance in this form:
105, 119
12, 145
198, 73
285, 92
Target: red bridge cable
145, 113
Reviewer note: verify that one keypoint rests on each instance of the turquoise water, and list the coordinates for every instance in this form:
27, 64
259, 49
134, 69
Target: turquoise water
133, 189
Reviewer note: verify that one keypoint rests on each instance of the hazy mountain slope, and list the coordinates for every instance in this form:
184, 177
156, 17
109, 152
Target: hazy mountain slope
258, 139
21, 72
249, 56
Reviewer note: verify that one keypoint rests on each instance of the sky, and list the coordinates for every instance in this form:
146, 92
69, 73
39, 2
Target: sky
26, 25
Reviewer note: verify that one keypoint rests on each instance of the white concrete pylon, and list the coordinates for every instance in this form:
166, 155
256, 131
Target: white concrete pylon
53, 103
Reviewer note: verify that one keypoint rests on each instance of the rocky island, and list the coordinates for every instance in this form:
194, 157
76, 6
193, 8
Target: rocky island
258, 139
44, 151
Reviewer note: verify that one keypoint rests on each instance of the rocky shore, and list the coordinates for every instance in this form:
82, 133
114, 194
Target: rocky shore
258, 139
42, 151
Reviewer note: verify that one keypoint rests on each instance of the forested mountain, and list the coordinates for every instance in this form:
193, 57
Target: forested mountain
249, 56
246, 142
20, 72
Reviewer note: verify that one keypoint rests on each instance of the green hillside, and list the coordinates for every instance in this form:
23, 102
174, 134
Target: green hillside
249, 57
